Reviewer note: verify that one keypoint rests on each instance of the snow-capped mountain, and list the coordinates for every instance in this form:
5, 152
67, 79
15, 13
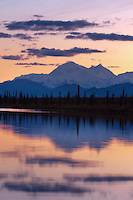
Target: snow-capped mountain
125, 77
72, 73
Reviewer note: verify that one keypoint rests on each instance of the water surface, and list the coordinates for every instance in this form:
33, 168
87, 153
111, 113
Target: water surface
60, 156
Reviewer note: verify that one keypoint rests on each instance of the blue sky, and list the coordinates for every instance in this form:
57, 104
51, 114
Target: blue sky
69, 8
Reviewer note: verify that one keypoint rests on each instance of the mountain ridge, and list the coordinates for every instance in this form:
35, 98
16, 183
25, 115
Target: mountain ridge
67, 77
72, 73
37, 89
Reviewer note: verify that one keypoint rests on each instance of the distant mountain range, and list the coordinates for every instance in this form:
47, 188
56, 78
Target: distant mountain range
67, 77
72, 73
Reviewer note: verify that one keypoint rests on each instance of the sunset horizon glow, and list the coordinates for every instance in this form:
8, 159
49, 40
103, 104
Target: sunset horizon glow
38, 36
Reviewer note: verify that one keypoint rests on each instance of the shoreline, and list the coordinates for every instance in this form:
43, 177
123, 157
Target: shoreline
94, 109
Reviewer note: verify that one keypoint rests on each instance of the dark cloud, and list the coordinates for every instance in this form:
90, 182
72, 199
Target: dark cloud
96, 59
107, 22
38, 16
23, 36
43, 52
27, 66
12, 57
118, 19
35, 187
65, 161
75, 33
35, 64
3, 176
100, 36
53, 33
93, 178
6, 49
113, 67
19, 36
40, 33
38, 25
5, 35
46, 33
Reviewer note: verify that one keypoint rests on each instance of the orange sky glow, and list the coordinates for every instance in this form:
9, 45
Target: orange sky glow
106, 18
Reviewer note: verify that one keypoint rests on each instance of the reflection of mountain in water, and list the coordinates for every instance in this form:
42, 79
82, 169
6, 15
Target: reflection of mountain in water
70, 132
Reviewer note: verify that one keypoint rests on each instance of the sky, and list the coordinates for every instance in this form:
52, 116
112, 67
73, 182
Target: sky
36, 36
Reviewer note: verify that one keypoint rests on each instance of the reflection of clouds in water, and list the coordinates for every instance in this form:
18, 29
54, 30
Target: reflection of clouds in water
34, 187
10, 154
98, 179
15, 176
50, 161
18, 176
68, 131
3, 176
20, 151
42, 161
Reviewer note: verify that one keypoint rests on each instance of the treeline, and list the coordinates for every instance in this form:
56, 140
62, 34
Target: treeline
22, 100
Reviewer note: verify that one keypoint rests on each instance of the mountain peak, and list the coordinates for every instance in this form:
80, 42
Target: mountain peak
99, 66
70, 63
102, 73
67, 68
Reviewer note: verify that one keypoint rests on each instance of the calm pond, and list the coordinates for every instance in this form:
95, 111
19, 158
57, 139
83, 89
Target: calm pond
50, 156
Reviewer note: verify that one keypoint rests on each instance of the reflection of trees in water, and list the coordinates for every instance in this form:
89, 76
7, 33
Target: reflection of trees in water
22, 119
35, 119
92, 120
5, 118
68, 121
42, 119
77, 123
107, 123
84, 121
123, 124
112, 123
46, 118
31, 118
59, 120
51, 119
